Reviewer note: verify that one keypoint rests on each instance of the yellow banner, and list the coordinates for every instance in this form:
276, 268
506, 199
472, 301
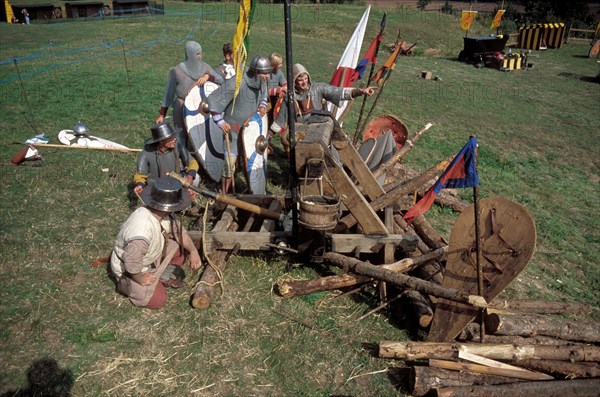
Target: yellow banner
467, 19
9, 12
240, 53
497, 19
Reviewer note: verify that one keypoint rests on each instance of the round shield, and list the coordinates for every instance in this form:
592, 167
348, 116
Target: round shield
255, 163
507, 238
595, 50
384, 123
205, 136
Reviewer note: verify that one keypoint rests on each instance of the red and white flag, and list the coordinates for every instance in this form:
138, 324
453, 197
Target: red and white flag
345, 68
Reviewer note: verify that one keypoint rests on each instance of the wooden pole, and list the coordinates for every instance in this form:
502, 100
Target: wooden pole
387, 76
449, 351
213, 273
364, 102
478, 254
85, 147
291, 288
402, 280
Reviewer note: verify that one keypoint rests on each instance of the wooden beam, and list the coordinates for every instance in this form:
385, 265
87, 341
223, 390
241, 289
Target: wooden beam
249, 241
347, 243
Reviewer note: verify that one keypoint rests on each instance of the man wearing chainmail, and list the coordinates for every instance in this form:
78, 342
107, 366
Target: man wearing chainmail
180, 80
164, 153
231, 115
311, 96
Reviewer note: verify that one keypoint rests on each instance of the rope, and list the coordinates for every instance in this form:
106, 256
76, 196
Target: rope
221, 281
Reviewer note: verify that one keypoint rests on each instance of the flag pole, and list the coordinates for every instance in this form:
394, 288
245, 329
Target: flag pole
470, 9
387, 76
498, 28
364, 102
478, 254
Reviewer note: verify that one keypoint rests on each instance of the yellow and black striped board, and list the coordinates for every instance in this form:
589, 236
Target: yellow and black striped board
508, 62
541, 35
512, 62
530, 37
554, 34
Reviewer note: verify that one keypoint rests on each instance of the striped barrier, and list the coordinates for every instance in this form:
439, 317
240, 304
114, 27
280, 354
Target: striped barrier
506, 62
541, 36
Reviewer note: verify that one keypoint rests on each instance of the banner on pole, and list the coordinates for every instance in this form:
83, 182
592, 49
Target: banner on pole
497, 19
461, 173
466, 19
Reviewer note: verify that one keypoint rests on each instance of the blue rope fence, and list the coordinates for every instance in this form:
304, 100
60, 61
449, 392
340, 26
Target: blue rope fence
140, 49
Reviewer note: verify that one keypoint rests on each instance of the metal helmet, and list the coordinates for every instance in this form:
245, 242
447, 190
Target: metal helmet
160, 132
260, 64
80, 129
166, 194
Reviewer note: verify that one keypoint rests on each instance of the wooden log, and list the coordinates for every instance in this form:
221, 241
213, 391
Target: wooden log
471, 333
291, 288
210, 278
422, 379
364, 268
445, 199
540, 307
531, 325
449, 351
401, 227
428, 234
554, 388
562, 369
420, 308
431, 271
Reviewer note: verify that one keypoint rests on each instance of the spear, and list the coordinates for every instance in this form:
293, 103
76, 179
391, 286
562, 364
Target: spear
362, 107
382, 86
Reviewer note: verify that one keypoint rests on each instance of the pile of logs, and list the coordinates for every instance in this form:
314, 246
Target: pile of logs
523, 350
559, 368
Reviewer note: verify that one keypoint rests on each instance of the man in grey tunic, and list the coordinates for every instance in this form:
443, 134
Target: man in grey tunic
231, 115
311, 96
180, 80
164, 153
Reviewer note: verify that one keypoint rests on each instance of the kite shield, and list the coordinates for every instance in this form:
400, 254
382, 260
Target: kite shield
254, 140
205, 136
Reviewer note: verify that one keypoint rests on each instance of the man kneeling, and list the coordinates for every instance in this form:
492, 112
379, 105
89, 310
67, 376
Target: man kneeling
151, 243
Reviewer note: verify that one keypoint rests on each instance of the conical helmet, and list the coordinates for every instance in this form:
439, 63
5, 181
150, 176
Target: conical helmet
260, 64
81, 129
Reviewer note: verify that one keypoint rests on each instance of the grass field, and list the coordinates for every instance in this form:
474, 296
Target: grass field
538, 133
